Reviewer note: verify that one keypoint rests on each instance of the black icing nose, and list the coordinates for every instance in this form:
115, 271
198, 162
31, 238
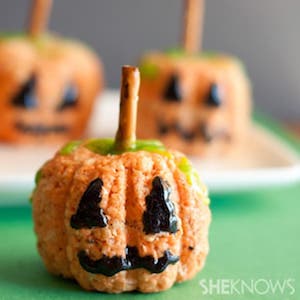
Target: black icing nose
173, 91
214, 98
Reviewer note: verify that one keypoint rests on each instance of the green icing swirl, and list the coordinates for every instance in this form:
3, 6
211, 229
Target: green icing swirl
107, 146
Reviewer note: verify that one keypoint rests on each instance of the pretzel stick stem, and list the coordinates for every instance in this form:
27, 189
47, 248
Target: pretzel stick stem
193, 25
126, 134
39, 15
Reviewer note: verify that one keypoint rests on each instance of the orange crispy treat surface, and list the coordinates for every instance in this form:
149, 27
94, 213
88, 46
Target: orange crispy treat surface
55, 63
127, 180
225, 125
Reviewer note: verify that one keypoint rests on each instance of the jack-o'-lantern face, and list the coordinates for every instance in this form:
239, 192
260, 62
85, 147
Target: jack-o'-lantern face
193, 103
47, 89
158, 217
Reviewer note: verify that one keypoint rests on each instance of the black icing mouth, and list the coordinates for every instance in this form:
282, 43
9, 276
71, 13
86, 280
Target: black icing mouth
109, 266
40, 129
200, 131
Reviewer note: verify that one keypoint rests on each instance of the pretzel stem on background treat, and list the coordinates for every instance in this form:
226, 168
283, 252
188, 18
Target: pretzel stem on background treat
38, 19
193, 25
130, 83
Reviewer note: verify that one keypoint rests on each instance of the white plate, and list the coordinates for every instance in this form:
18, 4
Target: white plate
266, 161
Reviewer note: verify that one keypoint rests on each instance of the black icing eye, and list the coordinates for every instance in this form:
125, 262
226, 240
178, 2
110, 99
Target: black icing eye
173, 91
160, 211
89, 214
70, 97
26, 98
214, 98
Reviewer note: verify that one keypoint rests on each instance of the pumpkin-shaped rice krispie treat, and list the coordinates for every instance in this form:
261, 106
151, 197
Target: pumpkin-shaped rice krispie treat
48, 84
121, 215
194, 101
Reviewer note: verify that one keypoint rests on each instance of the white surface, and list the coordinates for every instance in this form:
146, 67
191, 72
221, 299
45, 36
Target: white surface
265, 161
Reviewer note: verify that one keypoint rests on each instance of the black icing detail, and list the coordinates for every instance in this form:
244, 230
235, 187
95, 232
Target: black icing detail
163, 128
214, 98
185, 134
89, 214
25, 97
109, 266
70, 98
173, 92
40, 129
190, 135
209, 136
206, 135
160, 211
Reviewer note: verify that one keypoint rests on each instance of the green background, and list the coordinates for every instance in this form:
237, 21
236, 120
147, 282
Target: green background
255, 235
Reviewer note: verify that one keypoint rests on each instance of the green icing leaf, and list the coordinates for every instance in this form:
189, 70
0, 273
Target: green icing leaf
69, 148
148, 70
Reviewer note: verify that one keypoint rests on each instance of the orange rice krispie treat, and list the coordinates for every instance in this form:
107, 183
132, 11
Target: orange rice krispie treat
198, 104
194, 101
121, 215
48, 84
